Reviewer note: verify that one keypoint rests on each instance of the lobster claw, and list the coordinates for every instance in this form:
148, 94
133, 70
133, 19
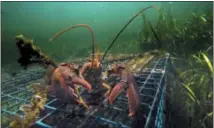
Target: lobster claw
116, 91
79, 81
132, 93
133, 96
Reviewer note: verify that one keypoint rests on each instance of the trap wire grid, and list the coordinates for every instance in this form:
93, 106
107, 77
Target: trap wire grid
15, 91
151, 82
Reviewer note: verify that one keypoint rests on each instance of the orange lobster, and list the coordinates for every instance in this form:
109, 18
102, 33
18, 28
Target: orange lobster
94, 63
62, 73
96, 67
65, 81
64, 77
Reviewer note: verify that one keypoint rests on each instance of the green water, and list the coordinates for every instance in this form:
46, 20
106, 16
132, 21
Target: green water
41, 20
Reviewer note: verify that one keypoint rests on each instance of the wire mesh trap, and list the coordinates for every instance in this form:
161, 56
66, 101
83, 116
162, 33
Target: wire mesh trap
151, 82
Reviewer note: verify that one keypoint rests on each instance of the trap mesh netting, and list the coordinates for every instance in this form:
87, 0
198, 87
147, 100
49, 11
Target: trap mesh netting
151, 81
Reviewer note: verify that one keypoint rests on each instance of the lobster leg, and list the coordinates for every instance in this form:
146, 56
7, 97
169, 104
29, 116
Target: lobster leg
59, 88
108, 89
80, 99
84, 83
82, 70
75, 94
56, 77
53, 90
54, 83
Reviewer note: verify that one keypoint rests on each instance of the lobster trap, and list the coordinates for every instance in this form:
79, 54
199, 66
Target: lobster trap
151, 82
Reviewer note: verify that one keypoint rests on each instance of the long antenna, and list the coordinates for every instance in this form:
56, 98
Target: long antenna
75, 26
124, 28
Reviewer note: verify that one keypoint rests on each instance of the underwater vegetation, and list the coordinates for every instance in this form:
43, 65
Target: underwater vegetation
30, 53
31, 111
190, 96
189, 41
182, 36
199, 90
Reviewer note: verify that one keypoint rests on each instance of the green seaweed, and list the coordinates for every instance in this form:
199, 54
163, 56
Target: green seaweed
31, 54
185, 39
183, 36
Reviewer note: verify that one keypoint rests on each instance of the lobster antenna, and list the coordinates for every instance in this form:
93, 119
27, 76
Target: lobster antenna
144, 9
75, 26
